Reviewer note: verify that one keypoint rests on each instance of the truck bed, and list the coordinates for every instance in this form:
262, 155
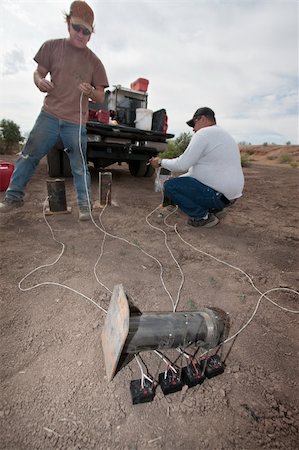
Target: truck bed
125, 132
110, 144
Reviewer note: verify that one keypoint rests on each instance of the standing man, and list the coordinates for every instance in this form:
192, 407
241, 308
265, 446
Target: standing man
214, 179
76, 75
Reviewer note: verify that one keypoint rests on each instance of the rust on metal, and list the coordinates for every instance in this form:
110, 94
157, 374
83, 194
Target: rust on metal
116, 329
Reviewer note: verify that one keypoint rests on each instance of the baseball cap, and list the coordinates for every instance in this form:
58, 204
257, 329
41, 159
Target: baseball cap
203, 111
82, 14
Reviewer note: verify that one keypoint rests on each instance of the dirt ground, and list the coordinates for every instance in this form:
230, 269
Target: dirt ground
54, 390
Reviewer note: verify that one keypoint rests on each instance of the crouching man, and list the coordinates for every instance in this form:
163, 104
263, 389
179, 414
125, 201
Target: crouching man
214, 177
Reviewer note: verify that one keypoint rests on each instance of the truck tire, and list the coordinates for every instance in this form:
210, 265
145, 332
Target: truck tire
54, 163
150, 171
138, 168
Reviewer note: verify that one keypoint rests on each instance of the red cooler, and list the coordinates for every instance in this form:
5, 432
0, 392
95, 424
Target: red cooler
6, 170
103, 116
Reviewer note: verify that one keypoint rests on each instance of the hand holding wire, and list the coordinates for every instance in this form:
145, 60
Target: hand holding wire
155, 162
86, 89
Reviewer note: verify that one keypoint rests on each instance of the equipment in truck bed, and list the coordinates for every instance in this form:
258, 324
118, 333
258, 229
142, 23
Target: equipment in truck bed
108, 144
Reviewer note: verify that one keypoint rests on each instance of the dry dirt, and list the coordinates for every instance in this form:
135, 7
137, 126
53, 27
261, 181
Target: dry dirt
54, 392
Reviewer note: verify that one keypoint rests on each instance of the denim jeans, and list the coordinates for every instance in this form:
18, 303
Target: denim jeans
44, 135
193, 197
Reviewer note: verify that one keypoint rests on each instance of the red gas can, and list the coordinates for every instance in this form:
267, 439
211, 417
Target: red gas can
6, 170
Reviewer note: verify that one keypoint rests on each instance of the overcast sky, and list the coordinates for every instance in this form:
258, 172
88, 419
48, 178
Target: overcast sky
240, 57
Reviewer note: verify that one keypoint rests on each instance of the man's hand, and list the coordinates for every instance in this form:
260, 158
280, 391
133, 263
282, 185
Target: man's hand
40, 81
87, 89
45, 85
155, 162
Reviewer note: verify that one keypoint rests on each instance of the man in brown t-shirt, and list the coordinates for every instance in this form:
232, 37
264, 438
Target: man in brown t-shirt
76, 75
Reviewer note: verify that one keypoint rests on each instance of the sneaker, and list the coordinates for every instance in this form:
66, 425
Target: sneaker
210, 222
220, 214
84, 214
9, 204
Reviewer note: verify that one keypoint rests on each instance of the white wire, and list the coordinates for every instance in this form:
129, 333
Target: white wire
174, 304
102, 229
244, 273
257, 306
45, 283
143, 374
167, 362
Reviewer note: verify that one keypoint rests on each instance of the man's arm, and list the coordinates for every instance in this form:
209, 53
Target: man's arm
190, 157
39, 79
98, 94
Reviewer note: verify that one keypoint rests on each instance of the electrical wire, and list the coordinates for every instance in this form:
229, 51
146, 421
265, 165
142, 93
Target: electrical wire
47, 283
174, 304
143, 374
166, 360
244, 273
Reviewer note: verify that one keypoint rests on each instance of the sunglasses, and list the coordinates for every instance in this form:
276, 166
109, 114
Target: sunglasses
78, 28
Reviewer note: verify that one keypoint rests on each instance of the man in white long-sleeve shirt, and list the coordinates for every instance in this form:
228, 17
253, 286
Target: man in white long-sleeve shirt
214, 177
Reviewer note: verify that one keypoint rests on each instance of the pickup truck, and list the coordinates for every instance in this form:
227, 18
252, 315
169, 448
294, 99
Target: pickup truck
118, 141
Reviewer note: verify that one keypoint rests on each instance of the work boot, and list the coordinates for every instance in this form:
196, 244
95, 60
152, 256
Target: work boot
10, 204
209, 222
84, 215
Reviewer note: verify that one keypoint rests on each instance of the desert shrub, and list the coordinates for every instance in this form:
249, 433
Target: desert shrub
294, 164
175, 147
286, 158
272, 157
245, 159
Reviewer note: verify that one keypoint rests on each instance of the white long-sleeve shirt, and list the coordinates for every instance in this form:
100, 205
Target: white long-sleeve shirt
213, 158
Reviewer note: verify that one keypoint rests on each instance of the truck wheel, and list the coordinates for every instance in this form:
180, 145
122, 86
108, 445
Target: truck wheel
138, 168
150, 171
54, 165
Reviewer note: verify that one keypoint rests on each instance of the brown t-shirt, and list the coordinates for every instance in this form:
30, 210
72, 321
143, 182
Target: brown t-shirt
69, 66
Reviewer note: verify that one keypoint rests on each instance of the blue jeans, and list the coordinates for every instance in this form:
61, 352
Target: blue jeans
193, 197
44, 135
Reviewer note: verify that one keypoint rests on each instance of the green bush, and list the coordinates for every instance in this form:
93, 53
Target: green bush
10, 136
286, 158
245, 159
175, 147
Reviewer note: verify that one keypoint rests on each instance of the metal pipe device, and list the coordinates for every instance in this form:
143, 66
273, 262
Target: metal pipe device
124, 334
152, 331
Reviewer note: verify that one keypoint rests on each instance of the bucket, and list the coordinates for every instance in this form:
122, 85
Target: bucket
144, 118
6, 170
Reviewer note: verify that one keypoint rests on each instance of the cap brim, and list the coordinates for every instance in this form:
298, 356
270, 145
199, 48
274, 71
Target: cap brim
190, 123
79, 21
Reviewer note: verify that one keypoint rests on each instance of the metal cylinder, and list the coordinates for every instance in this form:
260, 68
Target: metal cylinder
152, 331
56, 195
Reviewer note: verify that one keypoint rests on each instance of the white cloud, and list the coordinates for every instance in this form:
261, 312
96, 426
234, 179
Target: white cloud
239, 57
14, 61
